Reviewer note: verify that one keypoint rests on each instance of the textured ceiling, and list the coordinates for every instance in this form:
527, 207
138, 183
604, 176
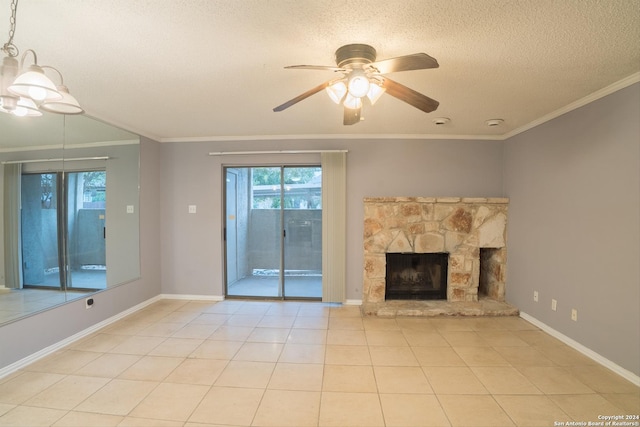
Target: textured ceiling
213, 69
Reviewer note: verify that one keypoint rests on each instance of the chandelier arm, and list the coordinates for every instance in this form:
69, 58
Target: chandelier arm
24, 55
54, 69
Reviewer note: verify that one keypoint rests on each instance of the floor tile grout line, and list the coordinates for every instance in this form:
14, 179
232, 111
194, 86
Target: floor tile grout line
518, 368
443, 409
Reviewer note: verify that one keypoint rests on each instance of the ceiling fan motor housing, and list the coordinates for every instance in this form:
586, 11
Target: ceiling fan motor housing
355, 54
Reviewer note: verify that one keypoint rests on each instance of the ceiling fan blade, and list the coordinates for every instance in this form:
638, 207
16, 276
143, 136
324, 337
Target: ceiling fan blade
301, 97
351, 115
417, 61
410, 96
314, 67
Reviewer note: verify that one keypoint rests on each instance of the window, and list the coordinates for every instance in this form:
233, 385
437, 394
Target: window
302, 187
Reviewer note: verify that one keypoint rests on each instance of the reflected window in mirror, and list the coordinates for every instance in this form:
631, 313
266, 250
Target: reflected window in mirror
62, 231
69, 211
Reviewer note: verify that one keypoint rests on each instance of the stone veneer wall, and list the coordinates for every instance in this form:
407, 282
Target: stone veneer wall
458, 226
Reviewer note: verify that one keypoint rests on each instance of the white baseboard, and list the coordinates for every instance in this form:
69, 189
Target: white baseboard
626, 374
222, 298
193, 297
60, 344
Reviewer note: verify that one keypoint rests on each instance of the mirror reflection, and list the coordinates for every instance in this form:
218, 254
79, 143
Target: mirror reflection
69, 211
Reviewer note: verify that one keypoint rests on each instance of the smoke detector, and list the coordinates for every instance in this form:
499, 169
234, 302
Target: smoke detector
494, 122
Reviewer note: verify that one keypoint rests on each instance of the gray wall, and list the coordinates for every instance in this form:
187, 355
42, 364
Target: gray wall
24, 337
123, 244
584, 252
574, 224
192, 252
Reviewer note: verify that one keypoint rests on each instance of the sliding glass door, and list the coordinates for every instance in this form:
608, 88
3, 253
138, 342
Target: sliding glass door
63, 230
302, 220
273, 232
85, 229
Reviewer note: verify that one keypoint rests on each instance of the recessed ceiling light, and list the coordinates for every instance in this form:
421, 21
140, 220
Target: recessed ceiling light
494, 122
441, 120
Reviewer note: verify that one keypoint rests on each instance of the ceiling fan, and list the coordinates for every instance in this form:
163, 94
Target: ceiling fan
363, 77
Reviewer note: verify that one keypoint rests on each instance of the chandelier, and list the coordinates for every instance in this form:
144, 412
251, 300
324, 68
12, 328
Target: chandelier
28, 92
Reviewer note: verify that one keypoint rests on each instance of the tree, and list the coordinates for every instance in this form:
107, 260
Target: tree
292, 175
95, 179
48, 185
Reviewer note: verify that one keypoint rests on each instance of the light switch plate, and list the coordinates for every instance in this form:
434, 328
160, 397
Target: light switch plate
192, 208
130, 209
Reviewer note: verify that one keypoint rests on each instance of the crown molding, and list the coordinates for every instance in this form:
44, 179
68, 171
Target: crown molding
621, 84
614, 87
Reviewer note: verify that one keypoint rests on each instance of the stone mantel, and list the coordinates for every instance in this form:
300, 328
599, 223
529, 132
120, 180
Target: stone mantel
459, 226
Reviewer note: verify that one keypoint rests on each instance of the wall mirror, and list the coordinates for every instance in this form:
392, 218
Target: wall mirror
69, 192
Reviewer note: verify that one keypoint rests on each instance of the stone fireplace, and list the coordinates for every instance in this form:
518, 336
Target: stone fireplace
470, 232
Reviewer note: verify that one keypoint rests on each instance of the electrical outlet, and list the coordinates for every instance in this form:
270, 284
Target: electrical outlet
574, 314
192, 208
535, 296
554, 305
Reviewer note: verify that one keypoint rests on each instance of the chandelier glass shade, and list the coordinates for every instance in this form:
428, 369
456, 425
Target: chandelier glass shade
35, 85
28, 92
25, 107
66, 105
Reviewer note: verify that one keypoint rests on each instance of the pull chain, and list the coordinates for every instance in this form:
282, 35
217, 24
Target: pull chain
9, 48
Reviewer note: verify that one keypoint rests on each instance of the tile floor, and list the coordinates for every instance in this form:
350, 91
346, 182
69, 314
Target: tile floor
241, 363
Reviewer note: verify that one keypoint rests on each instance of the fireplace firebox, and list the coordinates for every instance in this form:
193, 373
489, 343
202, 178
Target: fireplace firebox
416, 276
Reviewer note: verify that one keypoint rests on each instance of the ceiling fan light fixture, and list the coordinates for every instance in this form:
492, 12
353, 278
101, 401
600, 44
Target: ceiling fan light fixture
358, 84
375, 92
337, 91
362, 76
352, 102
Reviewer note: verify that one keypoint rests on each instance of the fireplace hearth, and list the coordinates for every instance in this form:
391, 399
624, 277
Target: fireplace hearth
412, 276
